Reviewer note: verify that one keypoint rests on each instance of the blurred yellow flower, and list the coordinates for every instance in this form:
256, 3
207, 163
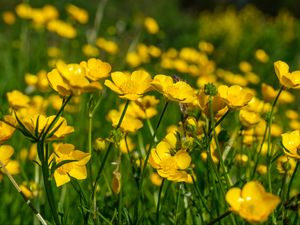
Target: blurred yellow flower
143, 108
8, 17
6, 151
6, 131
245, 66
235, 96
77, 13
261, 55
126, 145
291, 114
130, 86
248, 118
75, 163
90, 50
17, 99
252, 202
291, 143
287, 79
179, 91
286, 165
107, 45
151, 25
62, 28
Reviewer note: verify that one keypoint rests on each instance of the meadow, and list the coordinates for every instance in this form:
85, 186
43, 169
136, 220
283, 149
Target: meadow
132, 112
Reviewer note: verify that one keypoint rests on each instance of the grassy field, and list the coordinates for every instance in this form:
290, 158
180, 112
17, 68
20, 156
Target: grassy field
139, 113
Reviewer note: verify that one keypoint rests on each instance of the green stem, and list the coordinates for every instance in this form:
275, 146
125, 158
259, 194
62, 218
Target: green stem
158, 201
48, 188
107, 152
146, 161
200, 195
219, 218
291, 180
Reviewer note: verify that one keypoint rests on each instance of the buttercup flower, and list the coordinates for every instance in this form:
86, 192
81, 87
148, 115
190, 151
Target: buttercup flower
61, 128
76, 168
287, 79
130, 86
175, 91
168, 163
6, 151
69, 79
286, 165
291, 143
235, 96
96, 69
252, 202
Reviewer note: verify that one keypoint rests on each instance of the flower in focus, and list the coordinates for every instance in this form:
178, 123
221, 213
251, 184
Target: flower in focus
151, 25
39, 123
68, 79
179, 91
235, 96
77, 13
252, 202
169, 162
287, 79
130, 86
291, 143
74, 166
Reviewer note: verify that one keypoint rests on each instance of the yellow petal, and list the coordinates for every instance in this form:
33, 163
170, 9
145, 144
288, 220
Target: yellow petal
78, 172
61, 179
6, 151
253, 190
112, 86
183, 159
233, 197
119, 78
281, 68
291, 140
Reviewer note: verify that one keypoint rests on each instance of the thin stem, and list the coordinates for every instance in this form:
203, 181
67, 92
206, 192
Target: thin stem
146, 161
158, 201
219, 218
291, 180
107, 152
28, 202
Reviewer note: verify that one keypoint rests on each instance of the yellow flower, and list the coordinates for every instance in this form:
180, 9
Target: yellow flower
245, 67
179, 91
68, 79
143, 108
129, 123
169, 162
252, 202
130, 86
249, 118
291, 143
17, 99
107, 45
6, 131
126, 145
75, 168
96, 69
286, 165
62, 28
269, 94
61, 128
287, 79
219, 107
261, 55
235, 96
151, 25
6, 151
8, 17
90, 50
77, 13
291, 114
